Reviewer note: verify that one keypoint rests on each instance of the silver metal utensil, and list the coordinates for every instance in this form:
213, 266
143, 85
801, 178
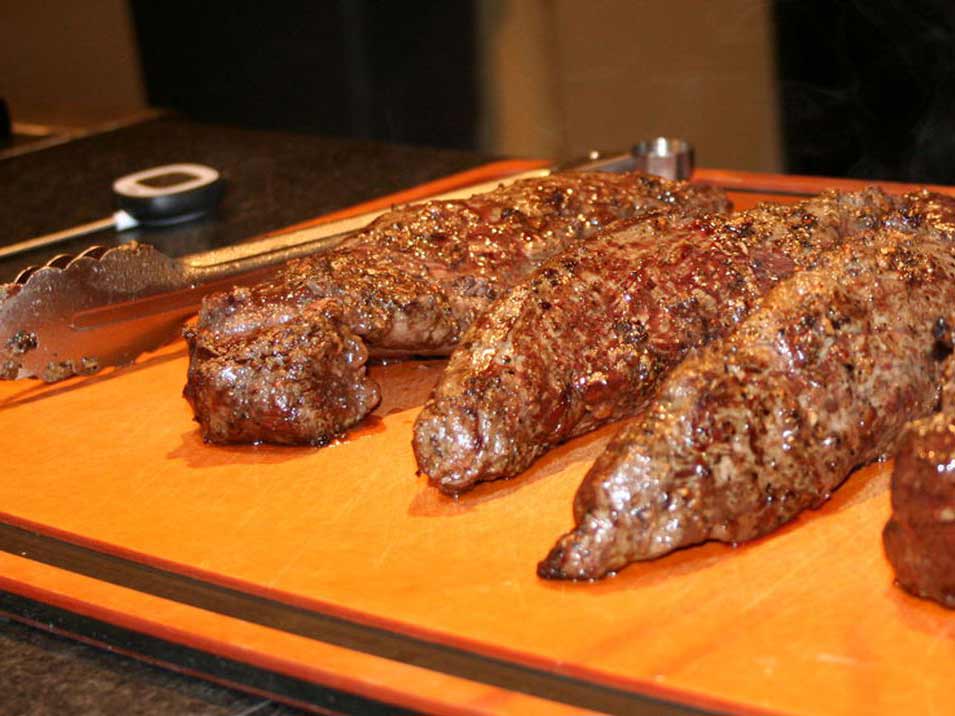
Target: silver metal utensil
78, 314
668, 157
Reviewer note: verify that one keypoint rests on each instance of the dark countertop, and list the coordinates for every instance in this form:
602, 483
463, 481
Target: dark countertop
273, 179
44, 674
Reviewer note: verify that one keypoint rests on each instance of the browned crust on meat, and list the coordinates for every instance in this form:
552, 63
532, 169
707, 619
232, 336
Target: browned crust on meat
919, 538
410, 283
587, 338
751, 431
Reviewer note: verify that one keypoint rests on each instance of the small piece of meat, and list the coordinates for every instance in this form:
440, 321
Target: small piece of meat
408, 284
283, 384
587, 338
753, 430
920, 536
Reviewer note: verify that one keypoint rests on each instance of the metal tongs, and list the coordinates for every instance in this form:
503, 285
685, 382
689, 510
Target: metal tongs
78, 314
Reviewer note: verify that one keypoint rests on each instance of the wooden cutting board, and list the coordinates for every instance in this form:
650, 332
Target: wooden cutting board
340, 566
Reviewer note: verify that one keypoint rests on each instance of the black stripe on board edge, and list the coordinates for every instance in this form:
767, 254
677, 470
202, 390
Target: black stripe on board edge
327, 628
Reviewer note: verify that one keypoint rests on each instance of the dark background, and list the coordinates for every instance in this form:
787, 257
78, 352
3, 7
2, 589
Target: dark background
398, 71
867, 89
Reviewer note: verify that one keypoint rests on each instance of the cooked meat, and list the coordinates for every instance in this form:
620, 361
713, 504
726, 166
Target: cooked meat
285, 360
920, 536
588, 337
750, 431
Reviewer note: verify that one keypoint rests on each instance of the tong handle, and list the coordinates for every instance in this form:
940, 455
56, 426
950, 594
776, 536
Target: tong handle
256, 255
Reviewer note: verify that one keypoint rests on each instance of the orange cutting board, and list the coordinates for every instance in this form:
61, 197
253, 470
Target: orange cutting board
805, 621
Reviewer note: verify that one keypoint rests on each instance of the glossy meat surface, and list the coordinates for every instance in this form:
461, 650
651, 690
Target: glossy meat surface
284, 361
749, 432
920, 535
588, 337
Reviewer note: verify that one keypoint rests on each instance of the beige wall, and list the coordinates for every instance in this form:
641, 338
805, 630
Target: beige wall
564, 76
69, 62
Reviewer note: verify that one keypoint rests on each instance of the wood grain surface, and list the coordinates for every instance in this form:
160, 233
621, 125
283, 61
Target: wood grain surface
804, 621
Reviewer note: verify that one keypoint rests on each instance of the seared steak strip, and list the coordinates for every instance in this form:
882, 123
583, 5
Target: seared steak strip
920, 535
587, 338
285, 360
752, 430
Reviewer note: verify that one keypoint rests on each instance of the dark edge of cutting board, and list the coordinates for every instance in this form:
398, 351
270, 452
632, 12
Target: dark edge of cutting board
293, 620
193, 662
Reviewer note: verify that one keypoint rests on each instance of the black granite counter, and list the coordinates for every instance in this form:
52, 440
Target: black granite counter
44, 674
273, 179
